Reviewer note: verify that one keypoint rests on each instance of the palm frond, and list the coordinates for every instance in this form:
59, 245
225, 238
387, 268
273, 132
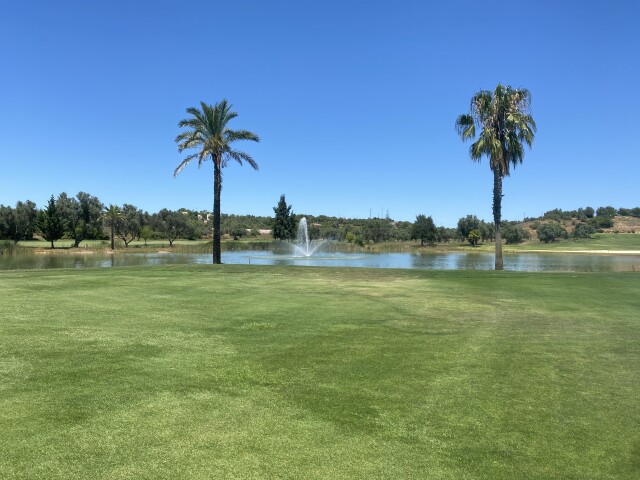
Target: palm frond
235, 135
183, 164
240, 156
466, 127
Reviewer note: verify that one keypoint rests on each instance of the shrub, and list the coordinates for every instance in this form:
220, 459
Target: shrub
550, 232
7, 247
625, 212
601, 222
514, 234
606, 212
474, 237
583, 230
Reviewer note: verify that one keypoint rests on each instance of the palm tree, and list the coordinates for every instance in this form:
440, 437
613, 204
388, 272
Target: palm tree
112, 214
506, 122
207, 131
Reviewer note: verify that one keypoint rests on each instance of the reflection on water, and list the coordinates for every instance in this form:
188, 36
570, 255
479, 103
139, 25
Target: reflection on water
531, 262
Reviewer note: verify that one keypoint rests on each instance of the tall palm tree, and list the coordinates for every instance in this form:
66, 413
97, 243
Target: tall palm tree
206, 131
111, 214
504, 117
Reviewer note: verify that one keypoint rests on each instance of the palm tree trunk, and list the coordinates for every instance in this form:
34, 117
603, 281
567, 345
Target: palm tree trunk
217, 186
497, 216
112, 236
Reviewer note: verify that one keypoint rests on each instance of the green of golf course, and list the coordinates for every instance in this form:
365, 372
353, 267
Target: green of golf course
202, 371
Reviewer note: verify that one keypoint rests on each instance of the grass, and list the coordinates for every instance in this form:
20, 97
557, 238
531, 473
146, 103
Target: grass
67, 243
192, 246
297, 372
599, 241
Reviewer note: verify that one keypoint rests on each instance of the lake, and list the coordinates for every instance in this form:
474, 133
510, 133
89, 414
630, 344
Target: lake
529, 262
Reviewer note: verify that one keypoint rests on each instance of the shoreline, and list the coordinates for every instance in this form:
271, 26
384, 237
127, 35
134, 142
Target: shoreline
582, 252
168, 250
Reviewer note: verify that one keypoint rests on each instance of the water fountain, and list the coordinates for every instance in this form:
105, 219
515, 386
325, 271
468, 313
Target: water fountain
303, 246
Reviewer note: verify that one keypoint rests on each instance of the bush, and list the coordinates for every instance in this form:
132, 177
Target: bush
466, 224
237, 231
601, 222
474, 237
550, 232
7, 247
625, 212
606, 212
583, 230
514, 234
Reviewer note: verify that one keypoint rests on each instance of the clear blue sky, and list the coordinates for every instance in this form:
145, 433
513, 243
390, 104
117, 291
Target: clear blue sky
354, 101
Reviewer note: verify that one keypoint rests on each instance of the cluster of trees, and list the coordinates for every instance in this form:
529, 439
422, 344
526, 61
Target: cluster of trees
18, 223
599, 218
587, 221
358, 231
374, 230
85, 217
552, 231
475, 230
78, 218
589, 213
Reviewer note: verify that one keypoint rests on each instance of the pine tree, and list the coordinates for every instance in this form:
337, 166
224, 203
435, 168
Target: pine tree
284, 224
50, 222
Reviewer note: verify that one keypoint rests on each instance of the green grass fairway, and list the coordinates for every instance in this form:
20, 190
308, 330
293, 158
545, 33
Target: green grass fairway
599, 241
295, 372
610, 242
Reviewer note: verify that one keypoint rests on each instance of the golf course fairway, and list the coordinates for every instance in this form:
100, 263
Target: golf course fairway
231, 371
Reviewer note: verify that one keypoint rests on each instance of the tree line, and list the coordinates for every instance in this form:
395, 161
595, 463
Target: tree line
86, 217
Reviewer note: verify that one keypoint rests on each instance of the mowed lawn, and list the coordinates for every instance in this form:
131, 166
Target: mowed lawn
297, 372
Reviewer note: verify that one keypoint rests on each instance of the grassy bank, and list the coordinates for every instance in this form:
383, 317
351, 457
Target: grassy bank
599, 241
609, 242
269, 372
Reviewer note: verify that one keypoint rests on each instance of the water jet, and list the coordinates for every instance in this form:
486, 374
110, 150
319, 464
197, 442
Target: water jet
304, 247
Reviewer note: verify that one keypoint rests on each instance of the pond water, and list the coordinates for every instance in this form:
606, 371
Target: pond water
530, 262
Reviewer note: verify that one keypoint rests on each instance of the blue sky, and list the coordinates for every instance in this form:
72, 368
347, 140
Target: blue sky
354, 101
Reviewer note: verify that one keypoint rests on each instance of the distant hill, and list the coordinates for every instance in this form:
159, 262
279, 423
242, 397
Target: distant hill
621, 224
